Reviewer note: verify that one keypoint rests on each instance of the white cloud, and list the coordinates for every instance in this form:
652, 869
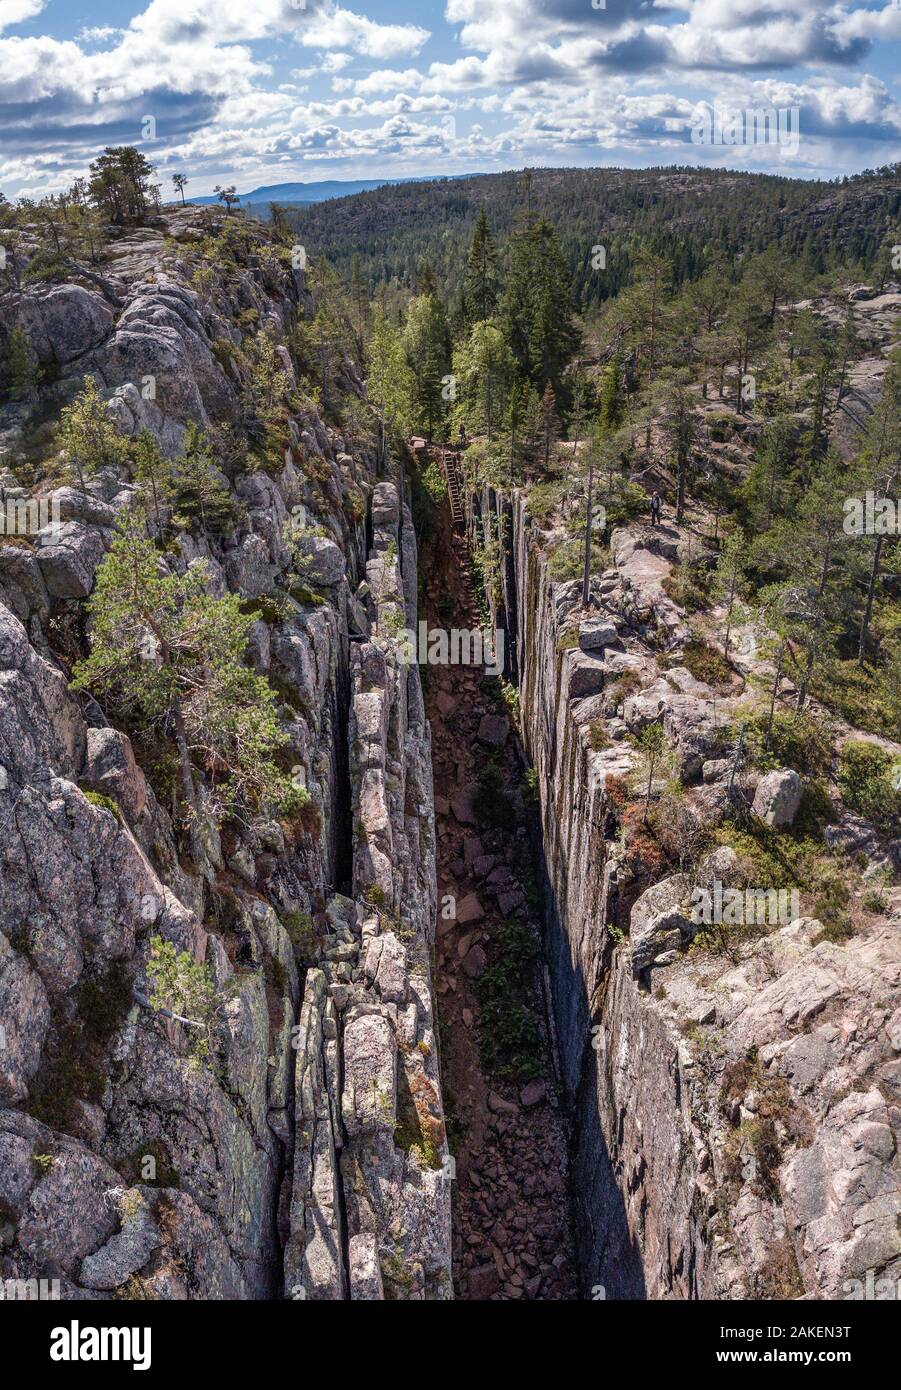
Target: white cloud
550, 80
337, 28
100, 33
334, 62
17, 11
389, 80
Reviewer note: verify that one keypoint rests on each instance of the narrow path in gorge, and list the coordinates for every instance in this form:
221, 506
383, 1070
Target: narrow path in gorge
511, 1209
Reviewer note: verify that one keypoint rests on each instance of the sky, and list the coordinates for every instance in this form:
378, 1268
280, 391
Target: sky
256, 92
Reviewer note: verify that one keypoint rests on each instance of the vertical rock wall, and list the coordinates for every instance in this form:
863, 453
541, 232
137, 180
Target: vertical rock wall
370, 1204
734, 1115
304, 1156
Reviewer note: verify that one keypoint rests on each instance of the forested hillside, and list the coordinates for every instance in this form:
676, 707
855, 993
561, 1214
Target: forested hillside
687, 214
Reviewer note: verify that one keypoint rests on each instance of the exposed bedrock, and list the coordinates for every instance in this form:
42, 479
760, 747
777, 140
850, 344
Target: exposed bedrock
304, 1157
735, 1115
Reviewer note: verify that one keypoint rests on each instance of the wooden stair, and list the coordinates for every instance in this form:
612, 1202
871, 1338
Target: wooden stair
454, 487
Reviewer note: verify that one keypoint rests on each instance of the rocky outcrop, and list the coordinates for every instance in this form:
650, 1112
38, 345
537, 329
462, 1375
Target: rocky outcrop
302, 1154
735, 1113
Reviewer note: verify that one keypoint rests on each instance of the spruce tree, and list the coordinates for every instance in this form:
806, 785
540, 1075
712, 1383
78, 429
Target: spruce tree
426, 343
536, 311
480, 276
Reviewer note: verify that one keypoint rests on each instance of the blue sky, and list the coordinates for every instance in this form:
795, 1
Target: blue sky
255, 92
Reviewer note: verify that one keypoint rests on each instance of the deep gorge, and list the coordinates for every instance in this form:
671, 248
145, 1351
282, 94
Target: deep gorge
461, 1040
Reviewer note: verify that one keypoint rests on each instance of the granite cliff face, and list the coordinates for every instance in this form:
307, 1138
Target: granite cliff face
305, 1156
735, 1112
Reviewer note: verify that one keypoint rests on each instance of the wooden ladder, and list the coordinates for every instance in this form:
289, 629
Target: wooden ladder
455, 491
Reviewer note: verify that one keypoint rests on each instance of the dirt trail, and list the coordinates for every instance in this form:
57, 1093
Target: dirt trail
512, 1233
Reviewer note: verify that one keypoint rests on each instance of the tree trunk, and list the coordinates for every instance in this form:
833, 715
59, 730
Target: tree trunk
187, 782
681, 471
871, 590
773, 698
729, 617
811, 650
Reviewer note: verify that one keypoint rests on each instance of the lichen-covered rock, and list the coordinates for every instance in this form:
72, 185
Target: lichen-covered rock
123, 1254
324, 561
64, 322
68, 558
736, 1123
661, 921
369, 1098
161, 1168
110, 768
365, 1273
778, 797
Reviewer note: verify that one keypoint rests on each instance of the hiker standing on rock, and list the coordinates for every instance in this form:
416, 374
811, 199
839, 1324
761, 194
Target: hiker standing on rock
656, 506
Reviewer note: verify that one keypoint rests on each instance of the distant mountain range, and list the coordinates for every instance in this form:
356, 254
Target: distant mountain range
313, 192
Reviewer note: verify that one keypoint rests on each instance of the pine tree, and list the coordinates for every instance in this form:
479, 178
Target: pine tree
22, 370
881, 470
647, 304
164, 648
764, 488
269, 381
88, 434
581, 392
228, 196
730, 573
198, 489
480, 276
811, 545
119, 183
549, 423
680, 427
153, 474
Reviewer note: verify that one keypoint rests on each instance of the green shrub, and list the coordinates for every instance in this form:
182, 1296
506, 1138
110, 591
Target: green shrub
299, 926
798, 740
568, 559
865, 774
544, 499
705, 663
103, 803
184, 987
720, 424
509, 1035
